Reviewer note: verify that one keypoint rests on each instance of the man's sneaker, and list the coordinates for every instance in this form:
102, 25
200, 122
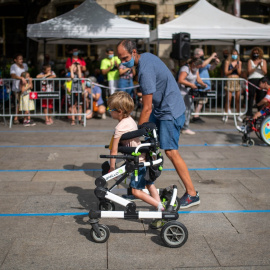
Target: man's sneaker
197, 120
157, 223
188, 201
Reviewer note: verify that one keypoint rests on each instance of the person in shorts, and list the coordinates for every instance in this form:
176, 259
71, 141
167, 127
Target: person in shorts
163, 105
121, 105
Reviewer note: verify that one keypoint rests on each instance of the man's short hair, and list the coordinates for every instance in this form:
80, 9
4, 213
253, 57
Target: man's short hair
109, 50
197, 51
17, 55
265, 79
128, 44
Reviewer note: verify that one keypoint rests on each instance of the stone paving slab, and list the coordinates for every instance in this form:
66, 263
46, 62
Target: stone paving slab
238, 250
219, 241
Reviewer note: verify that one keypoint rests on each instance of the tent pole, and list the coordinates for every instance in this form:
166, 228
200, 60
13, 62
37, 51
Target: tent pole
44, 50
27, 49
148, 45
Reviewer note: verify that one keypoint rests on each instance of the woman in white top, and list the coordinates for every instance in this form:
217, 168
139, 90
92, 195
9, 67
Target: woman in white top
257, 68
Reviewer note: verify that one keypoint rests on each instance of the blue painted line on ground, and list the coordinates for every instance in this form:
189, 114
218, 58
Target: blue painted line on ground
99, 170
49, 146
100, 145
86, 213
96, 130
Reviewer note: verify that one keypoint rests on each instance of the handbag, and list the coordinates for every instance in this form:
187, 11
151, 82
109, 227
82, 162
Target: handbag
95, 106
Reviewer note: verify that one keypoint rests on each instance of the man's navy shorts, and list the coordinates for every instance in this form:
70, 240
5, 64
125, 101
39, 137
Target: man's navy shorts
168, 131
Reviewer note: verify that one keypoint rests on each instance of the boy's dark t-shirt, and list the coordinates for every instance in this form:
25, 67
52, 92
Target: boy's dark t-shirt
155, 78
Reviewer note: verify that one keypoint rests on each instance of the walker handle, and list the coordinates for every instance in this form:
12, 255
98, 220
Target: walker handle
118, 156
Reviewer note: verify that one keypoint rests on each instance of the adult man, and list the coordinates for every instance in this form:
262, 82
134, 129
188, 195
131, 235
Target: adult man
204, 74
160, 89
75, 59
15, 72
109, 66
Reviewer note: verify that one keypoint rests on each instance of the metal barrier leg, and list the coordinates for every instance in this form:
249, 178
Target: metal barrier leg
10, 121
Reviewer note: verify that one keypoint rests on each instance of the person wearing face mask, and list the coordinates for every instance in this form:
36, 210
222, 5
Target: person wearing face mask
188, 76
109, 66
164, 106
257, 68
232, 69
127, 72
208, 64
75, 58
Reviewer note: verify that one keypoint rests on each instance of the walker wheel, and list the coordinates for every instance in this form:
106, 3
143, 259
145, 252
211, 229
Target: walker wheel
104, 231
106, 206
174, 234
248, 143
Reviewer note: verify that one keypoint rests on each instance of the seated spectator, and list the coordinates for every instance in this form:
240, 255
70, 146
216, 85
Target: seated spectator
48, 87
93, 91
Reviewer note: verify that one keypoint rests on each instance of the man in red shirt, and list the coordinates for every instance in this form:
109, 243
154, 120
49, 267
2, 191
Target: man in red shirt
75, 59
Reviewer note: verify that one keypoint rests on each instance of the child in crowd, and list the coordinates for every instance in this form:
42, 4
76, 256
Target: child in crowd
76, 91
265, 102
121, 105
26, 104
48, 87
94, 92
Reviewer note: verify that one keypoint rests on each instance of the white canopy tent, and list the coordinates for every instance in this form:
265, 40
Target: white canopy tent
88, 23
209, 25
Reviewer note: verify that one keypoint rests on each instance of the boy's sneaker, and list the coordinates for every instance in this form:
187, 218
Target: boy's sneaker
130, 197
31, 123
157, 223
26, 123
188, 201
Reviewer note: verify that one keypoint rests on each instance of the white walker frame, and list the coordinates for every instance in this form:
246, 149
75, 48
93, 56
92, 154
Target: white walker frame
174, 234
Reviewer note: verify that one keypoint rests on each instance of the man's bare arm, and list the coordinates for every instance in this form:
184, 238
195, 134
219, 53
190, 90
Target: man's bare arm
147, 108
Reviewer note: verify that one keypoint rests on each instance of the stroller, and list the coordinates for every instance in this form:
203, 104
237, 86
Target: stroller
174, 234
261, 126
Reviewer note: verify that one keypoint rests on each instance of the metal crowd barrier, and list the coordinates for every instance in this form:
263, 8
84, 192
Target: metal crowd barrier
60, 99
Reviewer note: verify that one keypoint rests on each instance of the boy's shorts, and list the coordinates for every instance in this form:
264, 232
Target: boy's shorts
141, 183
168, 131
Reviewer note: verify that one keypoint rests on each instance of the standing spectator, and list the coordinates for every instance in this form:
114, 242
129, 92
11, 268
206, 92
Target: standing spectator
163, 105
109, 66
47, 86
75, 58
126, 78
26, 104
257, 68
95, 92
188, 76
76, 91
233, 69
15, 72
204, 74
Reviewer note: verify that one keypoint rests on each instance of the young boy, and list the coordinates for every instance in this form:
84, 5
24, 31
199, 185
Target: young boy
48, 87
121, 105
265, 102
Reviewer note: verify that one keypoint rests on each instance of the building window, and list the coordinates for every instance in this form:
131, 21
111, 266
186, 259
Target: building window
138, 12
256, 12
181, 8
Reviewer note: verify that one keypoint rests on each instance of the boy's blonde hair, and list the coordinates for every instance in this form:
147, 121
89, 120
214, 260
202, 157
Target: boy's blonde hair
121, 101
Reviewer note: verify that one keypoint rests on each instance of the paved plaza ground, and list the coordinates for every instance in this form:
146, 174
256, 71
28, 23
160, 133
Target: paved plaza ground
51, 170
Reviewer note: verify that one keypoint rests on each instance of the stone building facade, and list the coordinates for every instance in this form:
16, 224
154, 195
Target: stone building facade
152, 12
